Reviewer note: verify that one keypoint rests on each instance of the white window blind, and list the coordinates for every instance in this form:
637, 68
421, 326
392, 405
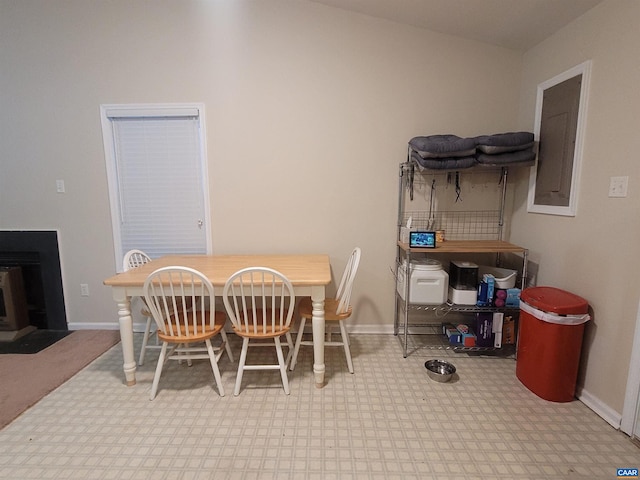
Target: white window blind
158, 200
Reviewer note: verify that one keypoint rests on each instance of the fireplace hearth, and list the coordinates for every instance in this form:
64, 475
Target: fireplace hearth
38, 256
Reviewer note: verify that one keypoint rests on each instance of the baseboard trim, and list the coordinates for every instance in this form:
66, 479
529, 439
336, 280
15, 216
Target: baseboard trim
137, 327
609, 415
370, 329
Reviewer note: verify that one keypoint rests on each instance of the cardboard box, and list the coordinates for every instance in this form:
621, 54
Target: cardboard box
467, 336
508, 331
484, 329
452, 333
483, 289
468, 340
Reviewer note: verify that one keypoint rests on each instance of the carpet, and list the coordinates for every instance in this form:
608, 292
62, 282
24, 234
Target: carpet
25, 379
33, 342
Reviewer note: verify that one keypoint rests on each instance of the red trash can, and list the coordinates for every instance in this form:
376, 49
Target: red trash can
549, 341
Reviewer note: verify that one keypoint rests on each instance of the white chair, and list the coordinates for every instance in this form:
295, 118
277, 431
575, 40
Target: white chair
132, 259
336, 310
260, 303
177, 299
135, 258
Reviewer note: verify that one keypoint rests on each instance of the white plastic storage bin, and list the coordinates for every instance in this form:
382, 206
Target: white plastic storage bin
505, 278
428, 284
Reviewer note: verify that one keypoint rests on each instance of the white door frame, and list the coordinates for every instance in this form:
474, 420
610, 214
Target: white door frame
152, 110
629, 423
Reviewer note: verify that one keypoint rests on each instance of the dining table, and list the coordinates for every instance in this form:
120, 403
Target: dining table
308, 273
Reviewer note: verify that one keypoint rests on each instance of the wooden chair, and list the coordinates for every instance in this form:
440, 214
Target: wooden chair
132, 259
260, 303
177, 299
336, 310
135, 258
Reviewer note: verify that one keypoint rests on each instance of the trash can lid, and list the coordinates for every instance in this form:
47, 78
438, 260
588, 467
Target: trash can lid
550, 299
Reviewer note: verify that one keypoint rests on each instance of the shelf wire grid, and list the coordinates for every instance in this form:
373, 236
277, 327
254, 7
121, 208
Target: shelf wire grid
458, 225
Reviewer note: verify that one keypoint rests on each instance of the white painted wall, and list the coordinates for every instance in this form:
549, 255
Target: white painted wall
595, 253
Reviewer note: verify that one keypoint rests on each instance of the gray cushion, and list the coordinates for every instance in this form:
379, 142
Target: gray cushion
521, 157
504, 142
456, 163
443, 146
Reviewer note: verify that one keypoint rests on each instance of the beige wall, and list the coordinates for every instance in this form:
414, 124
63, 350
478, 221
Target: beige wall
313, 104
594, 253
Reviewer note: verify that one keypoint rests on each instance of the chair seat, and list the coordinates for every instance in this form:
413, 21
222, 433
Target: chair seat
331, 308
189, 337
266, 331
305, 309
260, 302
178, 297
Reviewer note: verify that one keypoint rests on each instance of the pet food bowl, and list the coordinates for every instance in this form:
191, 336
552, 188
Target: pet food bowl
439, 370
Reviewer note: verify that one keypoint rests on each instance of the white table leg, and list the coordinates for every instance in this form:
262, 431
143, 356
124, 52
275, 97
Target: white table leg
126, 335
317, 321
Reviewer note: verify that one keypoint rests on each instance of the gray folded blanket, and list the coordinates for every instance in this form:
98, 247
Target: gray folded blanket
450, 152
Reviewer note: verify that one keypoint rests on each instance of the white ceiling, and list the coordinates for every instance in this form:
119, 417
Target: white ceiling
515, 24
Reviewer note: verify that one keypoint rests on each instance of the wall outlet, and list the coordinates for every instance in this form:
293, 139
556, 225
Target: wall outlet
84, 289
618, 186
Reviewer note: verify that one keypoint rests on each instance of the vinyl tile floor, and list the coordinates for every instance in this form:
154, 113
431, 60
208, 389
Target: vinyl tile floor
387, 421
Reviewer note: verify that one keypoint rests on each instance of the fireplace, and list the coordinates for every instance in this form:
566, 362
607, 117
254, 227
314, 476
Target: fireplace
38, 256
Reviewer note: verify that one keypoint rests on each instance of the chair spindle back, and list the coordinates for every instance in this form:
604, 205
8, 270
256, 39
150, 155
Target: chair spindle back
177, 298
346, 283
259, 300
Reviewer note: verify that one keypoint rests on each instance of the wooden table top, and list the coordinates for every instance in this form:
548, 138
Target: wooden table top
306, 270
468, 246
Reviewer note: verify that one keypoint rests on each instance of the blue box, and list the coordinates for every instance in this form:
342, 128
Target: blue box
452, 333
513, 297
482, 294
490, 281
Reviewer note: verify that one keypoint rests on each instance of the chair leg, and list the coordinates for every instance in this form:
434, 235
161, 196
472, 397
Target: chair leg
345, 343
289, 348
243, 359
296, 349
145, 341
226, 345
283, 366
188, 355
214, 367
156, 377
183, 354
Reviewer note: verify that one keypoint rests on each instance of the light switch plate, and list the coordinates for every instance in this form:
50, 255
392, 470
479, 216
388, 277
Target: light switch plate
618, 186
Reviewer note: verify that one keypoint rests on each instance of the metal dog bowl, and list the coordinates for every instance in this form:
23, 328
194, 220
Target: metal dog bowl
439, 370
